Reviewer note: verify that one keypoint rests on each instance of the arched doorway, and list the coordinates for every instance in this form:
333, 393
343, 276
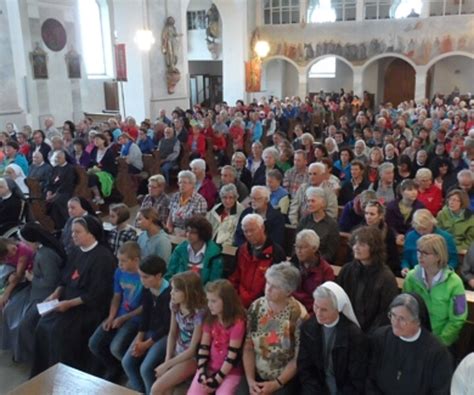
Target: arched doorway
452, 73
390, 78
279, 78
330, 74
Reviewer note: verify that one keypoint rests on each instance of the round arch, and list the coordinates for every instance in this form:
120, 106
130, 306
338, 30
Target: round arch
447, 55
388, 55
316, 60
280, 57
280, 76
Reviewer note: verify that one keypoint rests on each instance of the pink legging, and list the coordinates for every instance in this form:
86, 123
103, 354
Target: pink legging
228, 386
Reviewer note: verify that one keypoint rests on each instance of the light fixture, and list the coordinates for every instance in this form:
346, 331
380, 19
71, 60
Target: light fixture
262, 48
144, 39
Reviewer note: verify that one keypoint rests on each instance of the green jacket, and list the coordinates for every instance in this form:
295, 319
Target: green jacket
461, 228
446, 302
212, 264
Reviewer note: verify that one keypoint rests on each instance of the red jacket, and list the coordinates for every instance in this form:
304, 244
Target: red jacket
432, 199
208, 191
200, 144
249, 276
310, 280
237, 135
220, 142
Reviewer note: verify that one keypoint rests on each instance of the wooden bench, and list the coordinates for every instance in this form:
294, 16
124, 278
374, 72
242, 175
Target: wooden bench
37, 204
211, 165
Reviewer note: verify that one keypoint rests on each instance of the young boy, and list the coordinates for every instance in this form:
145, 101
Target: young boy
112, 338
148, 350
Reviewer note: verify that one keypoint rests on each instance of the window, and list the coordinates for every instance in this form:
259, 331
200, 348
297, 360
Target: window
451, 7
331, 10
196, 20
281, 12
406, 8
377, 9
325, 68
95, 35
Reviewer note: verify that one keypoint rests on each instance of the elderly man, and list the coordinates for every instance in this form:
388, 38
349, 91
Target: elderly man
254, 257
229, 176
384, 187
324, 226
297, 175
273, 219
49, 129
163, 118
40, 170
204, 184
465, 181
169, 149
316, 178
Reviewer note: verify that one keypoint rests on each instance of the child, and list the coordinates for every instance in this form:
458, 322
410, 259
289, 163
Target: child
119, 215
222, 338
153, 240
187, 314
148, 349
112, 338
19, 257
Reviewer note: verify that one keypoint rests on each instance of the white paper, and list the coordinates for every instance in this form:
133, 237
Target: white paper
46, 307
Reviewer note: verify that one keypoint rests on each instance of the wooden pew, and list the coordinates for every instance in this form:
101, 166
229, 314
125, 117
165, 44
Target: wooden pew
37, 204
125, 185
211, 165
82, 184
230, 147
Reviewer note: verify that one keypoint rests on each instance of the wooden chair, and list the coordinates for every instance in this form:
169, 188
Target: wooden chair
37, 204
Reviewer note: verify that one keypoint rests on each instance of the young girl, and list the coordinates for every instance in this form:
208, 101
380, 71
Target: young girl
119, 214
19, 256
187, 314
222, 338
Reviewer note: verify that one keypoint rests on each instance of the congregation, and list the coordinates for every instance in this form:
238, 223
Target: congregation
267, 255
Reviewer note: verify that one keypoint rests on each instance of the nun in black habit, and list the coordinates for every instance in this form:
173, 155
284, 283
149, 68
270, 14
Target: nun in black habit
405, 357
84, 294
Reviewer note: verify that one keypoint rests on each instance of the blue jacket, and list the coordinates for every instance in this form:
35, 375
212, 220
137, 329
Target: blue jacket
410, 258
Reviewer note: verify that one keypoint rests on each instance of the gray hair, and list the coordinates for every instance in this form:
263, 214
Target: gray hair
423, 173
199, 163
253, 218
158, 178
465, 173
187, 174
265, 191
271, 151
325, 293
319, 166
386, 166
287, 275
228, 189
240, 155
231, 169
409, 302
318, 192
310, 237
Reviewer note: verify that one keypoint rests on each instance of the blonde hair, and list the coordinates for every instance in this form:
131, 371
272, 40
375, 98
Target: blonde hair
423, 219
434, 244
423, 173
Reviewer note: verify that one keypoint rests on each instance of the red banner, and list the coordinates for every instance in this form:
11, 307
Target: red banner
121, 62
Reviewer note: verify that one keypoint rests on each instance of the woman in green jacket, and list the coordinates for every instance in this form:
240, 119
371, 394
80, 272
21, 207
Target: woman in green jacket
197, 253
457, 219
440, 287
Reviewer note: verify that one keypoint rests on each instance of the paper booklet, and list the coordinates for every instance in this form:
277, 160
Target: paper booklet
46, 307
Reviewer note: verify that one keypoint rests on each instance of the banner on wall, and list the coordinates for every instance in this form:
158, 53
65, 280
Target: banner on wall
253, 75
121, 62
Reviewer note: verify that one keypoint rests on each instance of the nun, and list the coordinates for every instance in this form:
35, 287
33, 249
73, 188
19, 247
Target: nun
333, 350
15, 172
406, 358
20, 315
84, 294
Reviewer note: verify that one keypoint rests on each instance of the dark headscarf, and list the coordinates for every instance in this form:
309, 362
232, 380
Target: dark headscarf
425, 321
93, 225
35, 233
84, 203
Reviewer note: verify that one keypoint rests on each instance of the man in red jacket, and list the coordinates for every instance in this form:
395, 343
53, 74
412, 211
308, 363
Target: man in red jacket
254, 257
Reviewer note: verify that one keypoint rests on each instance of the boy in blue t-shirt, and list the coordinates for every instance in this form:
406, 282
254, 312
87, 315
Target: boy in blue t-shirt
112, 338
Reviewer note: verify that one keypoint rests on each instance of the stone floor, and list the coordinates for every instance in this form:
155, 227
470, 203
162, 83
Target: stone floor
11, 374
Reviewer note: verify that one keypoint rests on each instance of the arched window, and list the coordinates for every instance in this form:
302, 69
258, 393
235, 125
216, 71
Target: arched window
320, 11
325, 68
406, 8
95, 35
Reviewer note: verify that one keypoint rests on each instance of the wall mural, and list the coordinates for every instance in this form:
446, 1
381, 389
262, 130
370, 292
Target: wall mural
419, 40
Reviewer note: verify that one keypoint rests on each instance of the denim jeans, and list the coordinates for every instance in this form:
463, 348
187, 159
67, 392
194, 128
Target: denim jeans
141, 370
165, 169
110, 346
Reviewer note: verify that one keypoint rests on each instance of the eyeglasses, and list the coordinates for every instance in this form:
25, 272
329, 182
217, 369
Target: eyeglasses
423, 253
397, 318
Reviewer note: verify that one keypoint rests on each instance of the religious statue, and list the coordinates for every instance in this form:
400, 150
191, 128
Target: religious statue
169, 44
213, 31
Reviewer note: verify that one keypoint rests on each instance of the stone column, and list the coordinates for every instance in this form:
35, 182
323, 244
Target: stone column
358, 81
425, 9
359, 10
302, 82
420, 83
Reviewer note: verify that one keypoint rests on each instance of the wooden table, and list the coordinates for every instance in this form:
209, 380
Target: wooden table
63, 380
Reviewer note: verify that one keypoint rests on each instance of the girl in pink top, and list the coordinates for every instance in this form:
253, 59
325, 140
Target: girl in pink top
18, 255
223, 334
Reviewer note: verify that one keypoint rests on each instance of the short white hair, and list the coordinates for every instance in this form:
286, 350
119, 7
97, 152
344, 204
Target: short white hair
187, 174
199, 163
386, 166
286, 275
271, 151
310, 237
320, 166
252, 217
264, 190
317, 192
424, 173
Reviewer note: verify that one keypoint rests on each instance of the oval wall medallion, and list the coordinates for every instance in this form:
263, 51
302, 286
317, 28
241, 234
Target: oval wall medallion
53, 34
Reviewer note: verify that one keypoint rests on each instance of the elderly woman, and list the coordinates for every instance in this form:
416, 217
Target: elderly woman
333, 351
198, 253
20, 315
374, 214
384, 186
324, 226
15, 173
314, 269
440, 287
428, 193
224, 216
424, 223
273, 334
457, 219
197, 141
270, 158
204, 184
10, 205
41, 171
255, 161
361, 151
405, 357
185, 203
332, 148
84, 295
157, 198
243, 174
279, 197
367, 280
169, 148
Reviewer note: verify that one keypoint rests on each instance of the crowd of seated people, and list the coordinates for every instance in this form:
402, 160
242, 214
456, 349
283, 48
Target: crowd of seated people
286, 188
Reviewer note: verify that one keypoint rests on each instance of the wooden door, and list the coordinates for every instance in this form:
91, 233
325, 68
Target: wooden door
399, 82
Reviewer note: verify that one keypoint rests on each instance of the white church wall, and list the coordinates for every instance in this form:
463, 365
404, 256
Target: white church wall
455, 71
343, 79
